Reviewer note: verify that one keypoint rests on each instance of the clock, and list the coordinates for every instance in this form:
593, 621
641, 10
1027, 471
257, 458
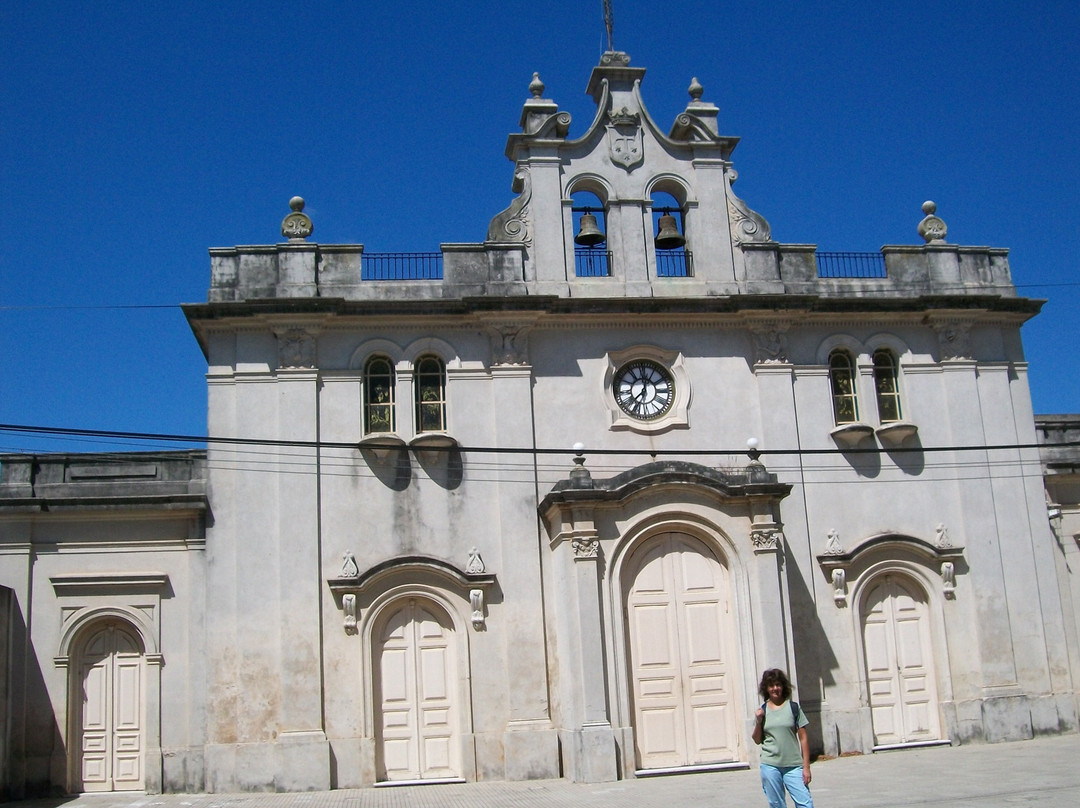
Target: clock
643, 389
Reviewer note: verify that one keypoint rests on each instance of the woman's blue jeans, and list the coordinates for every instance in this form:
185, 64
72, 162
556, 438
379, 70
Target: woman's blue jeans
774, 780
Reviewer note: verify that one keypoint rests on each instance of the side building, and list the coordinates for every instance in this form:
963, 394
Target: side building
548, 504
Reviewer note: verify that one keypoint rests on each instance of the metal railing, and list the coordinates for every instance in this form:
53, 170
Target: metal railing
401, 266
592, 263
850, 265
674, 264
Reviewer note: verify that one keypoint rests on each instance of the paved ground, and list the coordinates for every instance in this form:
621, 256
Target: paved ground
1046, 770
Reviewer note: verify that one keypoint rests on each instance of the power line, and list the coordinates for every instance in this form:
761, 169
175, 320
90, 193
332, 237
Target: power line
510, 450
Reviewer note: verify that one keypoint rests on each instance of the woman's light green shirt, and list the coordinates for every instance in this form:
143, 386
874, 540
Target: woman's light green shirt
781, 745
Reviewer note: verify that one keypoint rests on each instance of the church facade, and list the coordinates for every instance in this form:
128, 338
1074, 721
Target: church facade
548, 504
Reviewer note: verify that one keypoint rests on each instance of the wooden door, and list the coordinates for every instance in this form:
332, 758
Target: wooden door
110, 725
418, 729
899, 664
680, 636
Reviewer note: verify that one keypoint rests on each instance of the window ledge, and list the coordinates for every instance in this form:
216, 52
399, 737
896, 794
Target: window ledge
896, 432
851, 435
381, 444
433, 445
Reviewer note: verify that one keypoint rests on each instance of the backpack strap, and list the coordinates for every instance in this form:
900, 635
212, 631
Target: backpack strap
795, 708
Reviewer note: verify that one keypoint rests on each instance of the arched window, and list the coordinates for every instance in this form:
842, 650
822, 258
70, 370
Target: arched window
842, 378
379, 415
430, 394
886, 386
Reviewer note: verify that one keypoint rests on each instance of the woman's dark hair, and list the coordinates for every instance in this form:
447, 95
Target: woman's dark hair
774, 676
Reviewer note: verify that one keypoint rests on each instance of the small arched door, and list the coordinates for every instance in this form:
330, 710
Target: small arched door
418, 732
899, 662
111, 710
680, 632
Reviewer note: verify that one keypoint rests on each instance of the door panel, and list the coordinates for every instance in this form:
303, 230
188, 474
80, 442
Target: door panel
419, 734
679, 632
111, 711
899, 664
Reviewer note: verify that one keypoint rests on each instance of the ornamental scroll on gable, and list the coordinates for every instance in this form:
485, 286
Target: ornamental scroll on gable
746, 225
625, 143
514, 223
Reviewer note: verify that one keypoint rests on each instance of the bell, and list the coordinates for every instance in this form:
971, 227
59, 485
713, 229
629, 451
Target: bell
589, 235
668, 237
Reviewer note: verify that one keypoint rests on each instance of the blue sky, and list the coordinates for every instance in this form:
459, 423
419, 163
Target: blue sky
136, 135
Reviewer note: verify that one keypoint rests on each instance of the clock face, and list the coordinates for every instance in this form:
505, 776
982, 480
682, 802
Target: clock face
644, 389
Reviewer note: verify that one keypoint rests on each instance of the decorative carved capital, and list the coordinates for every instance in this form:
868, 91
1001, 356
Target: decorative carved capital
954, 340
296, 348
766, 538
770, 342
585, 547
509, 345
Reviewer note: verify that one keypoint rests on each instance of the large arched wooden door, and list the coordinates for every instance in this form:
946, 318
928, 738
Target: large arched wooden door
417, 694
680, 633
899, 663
111, 711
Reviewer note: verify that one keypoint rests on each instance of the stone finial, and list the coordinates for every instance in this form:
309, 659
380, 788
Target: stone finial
931, 228
579, 475
695, 89
536, 87
297, 225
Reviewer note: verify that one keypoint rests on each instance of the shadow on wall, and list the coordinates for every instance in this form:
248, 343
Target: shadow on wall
813, 653
31, 745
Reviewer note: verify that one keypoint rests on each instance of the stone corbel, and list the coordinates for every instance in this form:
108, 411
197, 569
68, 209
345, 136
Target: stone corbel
948, 580
476, 603
348, 605
839, 582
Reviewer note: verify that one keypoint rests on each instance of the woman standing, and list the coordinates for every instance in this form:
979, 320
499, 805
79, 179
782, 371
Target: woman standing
780, 731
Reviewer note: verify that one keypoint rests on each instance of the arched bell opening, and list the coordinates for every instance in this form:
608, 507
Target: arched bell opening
673, 259
591, 254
